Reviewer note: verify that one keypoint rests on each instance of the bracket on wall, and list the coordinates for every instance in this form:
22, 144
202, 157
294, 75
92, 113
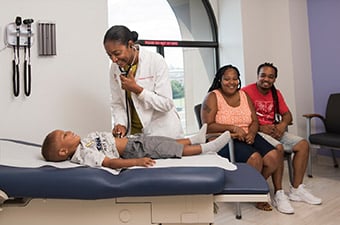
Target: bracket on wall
11, 35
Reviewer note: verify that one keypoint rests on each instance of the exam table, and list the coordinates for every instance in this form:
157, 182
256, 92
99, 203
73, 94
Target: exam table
81, 195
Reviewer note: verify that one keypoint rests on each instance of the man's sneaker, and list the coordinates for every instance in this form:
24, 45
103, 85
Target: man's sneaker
300, 194
281, 202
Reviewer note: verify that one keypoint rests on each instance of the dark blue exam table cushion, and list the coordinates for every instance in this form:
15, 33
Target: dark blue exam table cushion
94, 183
244, 180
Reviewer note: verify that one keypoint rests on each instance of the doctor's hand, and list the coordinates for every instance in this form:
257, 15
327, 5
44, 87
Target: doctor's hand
129, 84
119, 131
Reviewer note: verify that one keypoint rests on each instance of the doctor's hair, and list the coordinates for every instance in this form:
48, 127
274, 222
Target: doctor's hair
218, 77
49, 149
121, 34
269, 65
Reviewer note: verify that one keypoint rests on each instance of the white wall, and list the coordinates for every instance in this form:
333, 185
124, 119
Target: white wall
257, 31
69, 90
302, 63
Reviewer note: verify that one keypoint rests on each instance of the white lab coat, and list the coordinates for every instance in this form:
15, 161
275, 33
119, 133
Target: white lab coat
154, 105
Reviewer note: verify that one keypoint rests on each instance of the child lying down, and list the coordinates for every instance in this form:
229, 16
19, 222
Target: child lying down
103, 149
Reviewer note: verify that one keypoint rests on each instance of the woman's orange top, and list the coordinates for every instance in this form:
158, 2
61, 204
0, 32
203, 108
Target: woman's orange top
238, 116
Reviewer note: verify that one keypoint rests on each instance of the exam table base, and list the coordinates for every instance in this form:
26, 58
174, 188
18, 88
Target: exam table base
164, 210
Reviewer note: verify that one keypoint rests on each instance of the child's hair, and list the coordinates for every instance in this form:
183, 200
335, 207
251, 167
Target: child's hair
49, 149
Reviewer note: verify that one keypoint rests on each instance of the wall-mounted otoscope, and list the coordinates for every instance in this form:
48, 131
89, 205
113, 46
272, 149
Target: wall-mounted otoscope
19, 34
27, 52
16, 59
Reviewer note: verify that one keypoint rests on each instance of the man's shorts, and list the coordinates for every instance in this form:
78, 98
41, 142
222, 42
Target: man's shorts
288, 140
155, 147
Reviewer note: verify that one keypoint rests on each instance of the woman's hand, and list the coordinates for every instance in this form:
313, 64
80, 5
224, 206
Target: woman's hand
129, 84
250, 138
119, 131
239, 133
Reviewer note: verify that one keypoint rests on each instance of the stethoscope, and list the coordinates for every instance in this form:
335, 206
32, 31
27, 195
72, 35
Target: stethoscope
16, 59
126, 73
27, 63
15, 62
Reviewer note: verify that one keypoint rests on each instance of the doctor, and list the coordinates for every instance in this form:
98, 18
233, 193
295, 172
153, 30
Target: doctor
140, 88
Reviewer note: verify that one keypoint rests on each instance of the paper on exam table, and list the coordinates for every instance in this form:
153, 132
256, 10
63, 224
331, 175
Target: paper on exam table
204, 160
12, 154
17, 155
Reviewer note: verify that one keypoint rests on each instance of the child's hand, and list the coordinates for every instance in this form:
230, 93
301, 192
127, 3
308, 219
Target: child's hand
146, 162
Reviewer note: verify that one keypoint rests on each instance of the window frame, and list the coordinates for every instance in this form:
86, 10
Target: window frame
161, 44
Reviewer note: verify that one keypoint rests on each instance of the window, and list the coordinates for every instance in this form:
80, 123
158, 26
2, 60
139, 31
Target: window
184, 32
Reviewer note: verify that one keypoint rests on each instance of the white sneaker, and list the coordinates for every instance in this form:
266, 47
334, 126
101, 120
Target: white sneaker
281, 202
300, 194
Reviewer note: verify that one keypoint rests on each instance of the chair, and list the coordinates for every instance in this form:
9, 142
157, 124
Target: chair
287, 154
197, 109
288, 157
330, 137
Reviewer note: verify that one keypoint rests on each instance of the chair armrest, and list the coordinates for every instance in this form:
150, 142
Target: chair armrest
311, 115
309, 119
314, 115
